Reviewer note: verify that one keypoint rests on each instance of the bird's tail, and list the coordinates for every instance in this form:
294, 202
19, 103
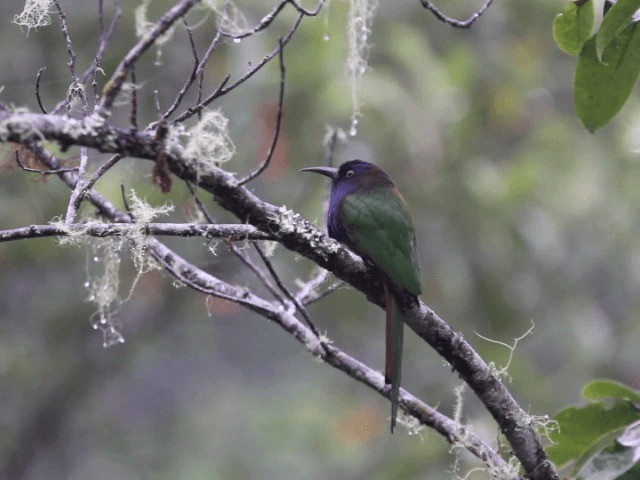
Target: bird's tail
393, 358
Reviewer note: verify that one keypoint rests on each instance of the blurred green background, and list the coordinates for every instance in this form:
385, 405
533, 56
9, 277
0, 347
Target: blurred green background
521, 216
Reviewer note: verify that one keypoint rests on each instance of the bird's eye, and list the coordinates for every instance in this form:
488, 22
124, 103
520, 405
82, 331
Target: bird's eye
350, 173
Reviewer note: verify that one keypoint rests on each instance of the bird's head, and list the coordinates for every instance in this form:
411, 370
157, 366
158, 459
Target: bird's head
349, 172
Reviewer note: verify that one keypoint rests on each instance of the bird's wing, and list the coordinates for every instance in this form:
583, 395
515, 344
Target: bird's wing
379, 227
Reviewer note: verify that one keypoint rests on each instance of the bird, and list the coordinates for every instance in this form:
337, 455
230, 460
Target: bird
368, 214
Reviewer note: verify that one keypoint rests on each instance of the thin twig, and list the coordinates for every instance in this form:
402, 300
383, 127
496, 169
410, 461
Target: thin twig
76, 196
231, 232
76, 87
133, 115
223, 89
156, 101
97, 60
192, 42
43, 172
271, 16
101, 18
452, 21
244, 258
315, 296
93, 68
288, 293
331, 288
114, 85
309, 287
38, 89
125, 202
276, 134
197, 72
104, 168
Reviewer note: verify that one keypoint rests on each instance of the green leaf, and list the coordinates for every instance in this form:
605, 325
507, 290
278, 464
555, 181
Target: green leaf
582, 427
616, 19
608, 464
599, 389
572, 27
600, 89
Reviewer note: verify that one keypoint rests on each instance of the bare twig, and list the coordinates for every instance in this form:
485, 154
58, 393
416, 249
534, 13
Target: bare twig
315, 296
331, 288
196, 73
156, 101
125, 202
101, 17
238, 252
231, 232
329, 153
104, 168
309, 287
94, 68
133, 115
276, 134
223, 89
271, 16
76, 87
258, 272
288, 293
114, 85
77, 195
104, 40
43, 172
452, 21
38, 89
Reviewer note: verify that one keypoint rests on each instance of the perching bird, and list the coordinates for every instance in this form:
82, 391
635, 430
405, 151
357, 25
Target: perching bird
368, 214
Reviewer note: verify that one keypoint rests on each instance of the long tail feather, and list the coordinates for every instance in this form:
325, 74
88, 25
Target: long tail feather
393, 359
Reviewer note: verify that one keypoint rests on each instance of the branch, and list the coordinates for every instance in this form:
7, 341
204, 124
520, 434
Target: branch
298, 235
42, 172
42, 69
196, 73
233, 232
452, 21
76, 196
271, 16
208, 284
299, 307
113, 86
76, 88
223, 88
276, 134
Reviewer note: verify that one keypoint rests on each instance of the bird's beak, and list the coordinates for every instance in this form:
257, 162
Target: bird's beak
330, 172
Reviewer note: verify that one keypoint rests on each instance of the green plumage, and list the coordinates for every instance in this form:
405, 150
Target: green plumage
379, 226
368, 214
